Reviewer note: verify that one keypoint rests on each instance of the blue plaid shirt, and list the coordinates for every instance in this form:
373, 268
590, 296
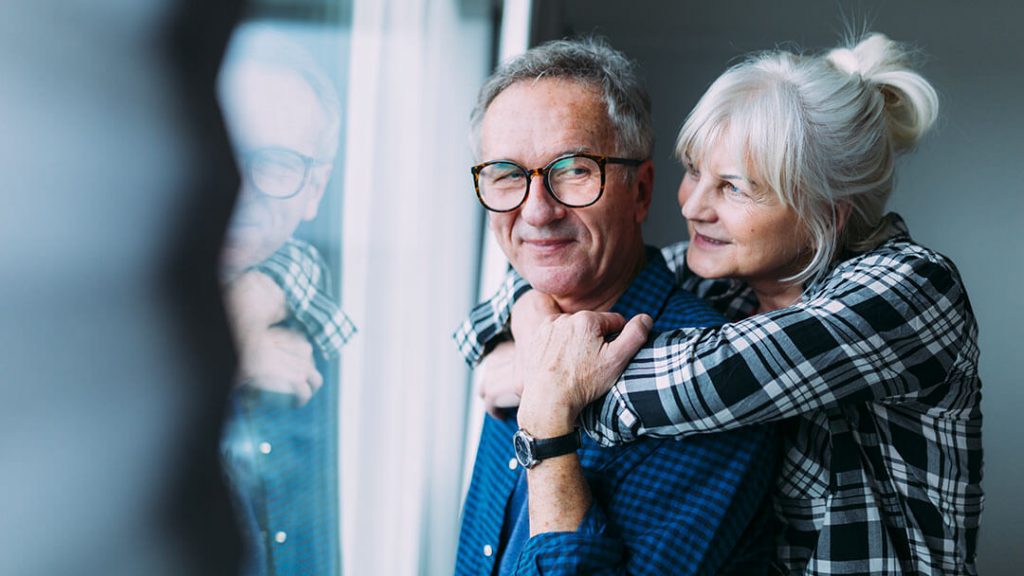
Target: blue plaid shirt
659, 506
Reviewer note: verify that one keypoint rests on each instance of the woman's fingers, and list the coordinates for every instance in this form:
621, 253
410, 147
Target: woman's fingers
499, 379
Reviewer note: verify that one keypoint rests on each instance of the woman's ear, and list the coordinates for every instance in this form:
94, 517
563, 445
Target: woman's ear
842, 217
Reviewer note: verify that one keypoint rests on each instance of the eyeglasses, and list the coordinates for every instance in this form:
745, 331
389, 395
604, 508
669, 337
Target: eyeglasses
574, 180
278, 172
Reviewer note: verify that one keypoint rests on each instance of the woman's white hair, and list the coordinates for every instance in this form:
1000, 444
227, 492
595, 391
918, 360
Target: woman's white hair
822, 132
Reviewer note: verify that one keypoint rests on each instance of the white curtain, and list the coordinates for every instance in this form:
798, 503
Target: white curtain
410, 251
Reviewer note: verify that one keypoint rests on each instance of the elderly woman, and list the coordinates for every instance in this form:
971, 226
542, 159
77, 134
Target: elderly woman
861, 343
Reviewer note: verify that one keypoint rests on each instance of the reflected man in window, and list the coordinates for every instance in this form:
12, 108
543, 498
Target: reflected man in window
279, 445
564, 140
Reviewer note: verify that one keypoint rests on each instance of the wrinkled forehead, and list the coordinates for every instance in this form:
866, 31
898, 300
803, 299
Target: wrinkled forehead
546, 116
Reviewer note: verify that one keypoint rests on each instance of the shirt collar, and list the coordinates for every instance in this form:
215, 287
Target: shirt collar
650, 289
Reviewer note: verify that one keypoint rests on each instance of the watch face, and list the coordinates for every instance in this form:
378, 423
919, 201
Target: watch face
524, 449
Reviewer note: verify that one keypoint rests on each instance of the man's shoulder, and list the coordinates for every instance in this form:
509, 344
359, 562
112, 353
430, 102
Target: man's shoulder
683, 309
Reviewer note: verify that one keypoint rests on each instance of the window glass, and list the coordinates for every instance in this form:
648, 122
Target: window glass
279, 89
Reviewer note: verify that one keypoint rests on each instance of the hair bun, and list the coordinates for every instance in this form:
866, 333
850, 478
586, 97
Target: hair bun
911, 104
846, 60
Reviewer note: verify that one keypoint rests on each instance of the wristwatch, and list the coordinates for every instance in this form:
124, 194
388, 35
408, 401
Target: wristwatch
530, 451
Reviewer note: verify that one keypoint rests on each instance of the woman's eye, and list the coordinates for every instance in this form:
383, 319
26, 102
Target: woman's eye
734, 190
691, 170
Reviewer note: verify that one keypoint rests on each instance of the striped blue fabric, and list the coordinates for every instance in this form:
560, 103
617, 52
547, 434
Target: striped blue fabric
661, 507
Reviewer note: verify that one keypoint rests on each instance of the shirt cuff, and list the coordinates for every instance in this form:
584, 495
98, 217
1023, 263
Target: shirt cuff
489, 319
588, 550
611, 420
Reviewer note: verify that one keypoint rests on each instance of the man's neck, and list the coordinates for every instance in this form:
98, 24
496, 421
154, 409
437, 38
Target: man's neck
603, 301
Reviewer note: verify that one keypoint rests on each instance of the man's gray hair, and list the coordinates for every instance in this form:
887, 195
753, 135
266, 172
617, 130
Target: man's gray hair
259, 44
590, 61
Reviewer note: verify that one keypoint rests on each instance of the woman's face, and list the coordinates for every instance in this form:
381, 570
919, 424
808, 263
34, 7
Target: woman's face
738, 227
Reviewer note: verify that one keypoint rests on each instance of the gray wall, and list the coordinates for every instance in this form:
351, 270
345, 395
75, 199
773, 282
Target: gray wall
960, 193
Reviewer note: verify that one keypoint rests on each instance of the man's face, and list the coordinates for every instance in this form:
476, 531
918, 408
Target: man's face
268, 107
578, 255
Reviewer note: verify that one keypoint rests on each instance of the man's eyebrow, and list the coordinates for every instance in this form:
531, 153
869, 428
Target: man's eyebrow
576, 150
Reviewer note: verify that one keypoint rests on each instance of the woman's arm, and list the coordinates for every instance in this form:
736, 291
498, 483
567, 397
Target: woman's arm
884, 327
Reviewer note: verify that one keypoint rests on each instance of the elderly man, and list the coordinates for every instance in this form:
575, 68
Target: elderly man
283, 117
564, 138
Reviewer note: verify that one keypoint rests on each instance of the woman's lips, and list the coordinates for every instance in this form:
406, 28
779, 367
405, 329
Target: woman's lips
708, 241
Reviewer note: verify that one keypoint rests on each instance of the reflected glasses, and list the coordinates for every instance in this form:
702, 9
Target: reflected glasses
277, 172
574, 180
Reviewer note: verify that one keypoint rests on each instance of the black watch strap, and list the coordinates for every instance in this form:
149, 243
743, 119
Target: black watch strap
544, 448
530, 451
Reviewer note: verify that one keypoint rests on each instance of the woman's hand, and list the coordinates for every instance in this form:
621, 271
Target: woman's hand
566, 362
500, 384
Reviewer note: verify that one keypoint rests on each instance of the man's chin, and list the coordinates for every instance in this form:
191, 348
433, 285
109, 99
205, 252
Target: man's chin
234, 260
557, 283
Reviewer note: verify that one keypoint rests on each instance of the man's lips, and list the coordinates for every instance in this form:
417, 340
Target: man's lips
547, 245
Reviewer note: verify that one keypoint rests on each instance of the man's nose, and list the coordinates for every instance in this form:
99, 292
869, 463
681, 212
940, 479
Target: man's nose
540, 207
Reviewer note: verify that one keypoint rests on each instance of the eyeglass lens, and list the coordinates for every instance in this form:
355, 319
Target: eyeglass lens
574, 181
277, 173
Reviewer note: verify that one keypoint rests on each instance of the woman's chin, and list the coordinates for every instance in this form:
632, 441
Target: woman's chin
705, 266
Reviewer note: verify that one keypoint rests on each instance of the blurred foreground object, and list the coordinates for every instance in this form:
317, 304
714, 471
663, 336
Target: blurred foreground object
115, 358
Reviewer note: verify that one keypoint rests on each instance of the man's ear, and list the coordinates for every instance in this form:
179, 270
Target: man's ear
644, 189
319, 178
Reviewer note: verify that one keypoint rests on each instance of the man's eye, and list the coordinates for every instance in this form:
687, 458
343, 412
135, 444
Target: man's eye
573, 169
508, 176
571, 172
500, 174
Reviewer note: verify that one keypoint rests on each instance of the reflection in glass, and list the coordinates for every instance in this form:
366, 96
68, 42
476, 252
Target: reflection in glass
280, 440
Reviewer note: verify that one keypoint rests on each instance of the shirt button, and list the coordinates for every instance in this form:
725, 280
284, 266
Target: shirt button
513, 464
280, 537
488, 550
265, 447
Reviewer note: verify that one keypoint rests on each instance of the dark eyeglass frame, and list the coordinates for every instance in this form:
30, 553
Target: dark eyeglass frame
601, 161
308, 163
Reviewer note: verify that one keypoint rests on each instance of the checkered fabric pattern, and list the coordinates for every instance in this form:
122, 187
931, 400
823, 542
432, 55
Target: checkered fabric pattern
298, 269
661, 507
874, 374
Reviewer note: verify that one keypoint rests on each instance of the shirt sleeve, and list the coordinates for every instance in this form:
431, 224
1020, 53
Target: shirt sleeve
886, 327
676, 507
489, 319
300, 271
588, 550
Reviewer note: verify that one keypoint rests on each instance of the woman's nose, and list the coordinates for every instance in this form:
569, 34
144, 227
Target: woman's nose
693, 199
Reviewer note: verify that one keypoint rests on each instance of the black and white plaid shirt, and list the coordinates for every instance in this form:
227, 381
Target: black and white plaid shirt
874, 377
300, 271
